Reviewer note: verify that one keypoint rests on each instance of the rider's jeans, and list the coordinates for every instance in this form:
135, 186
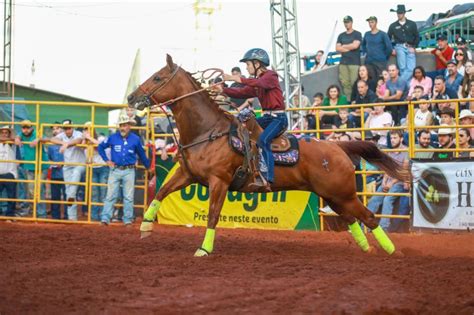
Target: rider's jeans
272, 125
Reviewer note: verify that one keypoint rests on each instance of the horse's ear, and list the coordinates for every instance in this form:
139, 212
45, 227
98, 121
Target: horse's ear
169, 62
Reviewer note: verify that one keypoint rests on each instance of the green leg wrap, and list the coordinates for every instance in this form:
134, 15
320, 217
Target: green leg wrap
149, 217
152, 210
208, 243
359, 236
383, 240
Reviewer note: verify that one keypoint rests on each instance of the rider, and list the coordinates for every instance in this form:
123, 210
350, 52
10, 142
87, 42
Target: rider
265, 85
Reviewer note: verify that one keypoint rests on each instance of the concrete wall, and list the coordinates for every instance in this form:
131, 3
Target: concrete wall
321, 80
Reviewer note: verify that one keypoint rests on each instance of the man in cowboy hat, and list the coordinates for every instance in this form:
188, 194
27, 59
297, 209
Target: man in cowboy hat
8, 170
446, 141
125, 146
405, 37
466, 117
69, 139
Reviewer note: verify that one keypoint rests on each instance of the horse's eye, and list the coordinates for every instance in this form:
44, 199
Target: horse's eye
157, 78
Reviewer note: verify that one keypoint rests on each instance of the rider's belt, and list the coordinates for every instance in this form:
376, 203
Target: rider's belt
271, 112
124, 167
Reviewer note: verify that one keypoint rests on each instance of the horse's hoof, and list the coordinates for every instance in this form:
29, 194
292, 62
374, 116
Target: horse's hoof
201, 253
398, 254
372, 250
144, 235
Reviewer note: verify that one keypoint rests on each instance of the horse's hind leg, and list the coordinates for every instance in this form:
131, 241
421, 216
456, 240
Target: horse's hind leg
355, 208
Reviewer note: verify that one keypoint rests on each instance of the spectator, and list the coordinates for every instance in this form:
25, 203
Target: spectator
131, 112
466, 118
333, 98
404, 34
365, 76
447, 117
453, 79
470, 104
69, 139
420, 79
124, 149
461, 44
442, 92
424, 140
465, 143
390, 184
423, 116
446, 141
8, 170
463, 91
378, 119
418, 93
239, 103
460, 59
364, 96
378, 48
348, 44
342, 122
381, 88
28, 134
58, 191
317, 61
396, 92
443, 54
311, 118
100, 170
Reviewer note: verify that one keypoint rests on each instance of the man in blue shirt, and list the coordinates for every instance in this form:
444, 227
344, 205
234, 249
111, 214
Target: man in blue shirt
125, 146
397, 91
58, 191
377, 47
453, 77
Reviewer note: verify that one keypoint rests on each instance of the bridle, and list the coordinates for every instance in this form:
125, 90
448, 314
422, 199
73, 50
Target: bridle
148, 97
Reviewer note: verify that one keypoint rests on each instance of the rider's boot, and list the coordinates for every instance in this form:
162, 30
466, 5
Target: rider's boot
260, 184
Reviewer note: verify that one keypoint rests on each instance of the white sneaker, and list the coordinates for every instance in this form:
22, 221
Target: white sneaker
326, 209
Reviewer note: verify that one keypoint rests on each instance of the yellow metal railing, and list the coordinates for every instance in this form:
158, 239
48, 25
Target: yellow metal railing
88, 184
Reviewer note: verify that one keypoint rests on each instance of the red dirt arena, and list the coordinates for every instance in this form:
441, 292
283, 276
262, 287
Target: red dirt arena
56, 269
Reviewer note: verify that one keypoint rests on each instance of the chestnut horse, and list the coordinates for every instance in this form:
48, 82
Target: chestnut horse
324, 168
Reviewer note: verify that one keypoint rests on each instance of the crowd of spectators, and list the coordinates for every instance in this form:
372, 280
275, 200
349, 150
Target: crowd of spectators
64, 183
367, 77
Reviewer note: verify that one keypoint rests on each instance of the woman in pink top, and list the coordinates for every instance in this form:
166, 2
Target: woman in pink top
420, 78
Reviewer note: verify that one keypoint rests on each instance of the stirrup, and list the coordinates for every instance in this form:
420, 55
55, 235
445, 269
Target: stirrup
260, 184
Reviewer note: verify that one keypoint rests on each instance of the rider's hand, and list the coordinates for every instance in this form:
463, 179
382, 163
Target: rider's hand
228, 77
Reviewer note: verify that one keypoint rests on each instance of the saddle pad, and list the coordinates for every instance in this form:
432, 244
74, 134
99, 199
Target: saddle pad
288, 158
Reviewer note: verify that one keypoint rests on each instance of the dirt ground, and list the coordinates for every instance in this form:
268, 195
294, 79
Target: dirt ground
52, 268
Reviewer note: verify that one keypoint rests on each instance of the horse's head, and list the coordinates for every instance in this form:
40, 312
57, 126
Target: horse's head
157, 89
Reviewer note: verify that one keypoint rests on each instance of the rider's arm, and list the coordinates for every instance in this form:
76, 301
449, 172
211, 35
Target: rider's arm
243, 92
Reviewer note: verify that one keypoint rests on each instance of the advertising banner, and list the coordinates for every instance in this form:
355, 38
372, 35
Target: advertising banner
442, 195
285, 210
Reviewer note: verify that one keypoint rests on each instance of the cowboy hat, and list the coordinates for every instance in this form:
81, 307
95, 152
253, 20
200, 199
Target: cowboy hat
400, 9
124, 119
465, 113
445, 130
6, 127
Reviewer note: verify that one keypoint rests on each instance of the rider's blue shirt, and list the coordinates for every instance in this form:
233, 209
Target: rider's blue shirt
124, 150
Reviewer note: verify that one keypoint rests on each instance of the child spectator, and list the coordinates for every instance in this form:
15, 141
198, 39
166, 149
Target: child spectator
311, 118
423, 116
447, 117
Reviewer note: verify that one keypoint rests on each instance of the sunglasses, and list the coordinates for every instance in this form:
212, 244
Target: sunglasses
459, 54
26, 127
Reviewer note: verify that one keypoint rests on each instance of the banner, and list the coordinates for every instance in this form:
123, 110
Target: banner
442, 195
285, 210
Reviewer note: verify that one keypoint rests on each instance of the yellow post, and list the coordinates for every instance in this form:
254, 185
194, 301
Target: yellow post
37, 172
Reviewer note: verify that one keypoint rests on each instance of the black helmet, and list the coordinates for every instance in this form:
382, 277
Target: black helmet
256, 54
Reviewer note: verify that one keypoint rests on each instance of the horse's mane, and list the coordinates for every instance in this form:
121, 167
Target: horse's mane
198, 86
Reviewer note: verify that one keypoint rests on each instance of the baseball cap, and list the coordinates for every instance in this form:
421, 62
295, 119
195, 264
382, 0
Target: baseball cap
347, 18
371, 18
442, 36
460, 41
451, 62
67, 122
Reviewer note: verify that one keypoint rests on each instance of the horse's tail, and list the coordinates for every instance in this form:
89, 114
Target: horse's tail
369, 152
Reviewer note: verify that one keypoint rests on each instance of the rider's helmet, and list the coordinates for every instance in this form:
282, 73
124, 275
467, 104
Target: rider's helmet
256, 54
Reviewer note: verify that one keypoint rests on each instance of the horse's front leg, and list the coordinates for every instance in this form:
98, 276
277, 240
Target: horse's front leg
179, 180
218, 193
